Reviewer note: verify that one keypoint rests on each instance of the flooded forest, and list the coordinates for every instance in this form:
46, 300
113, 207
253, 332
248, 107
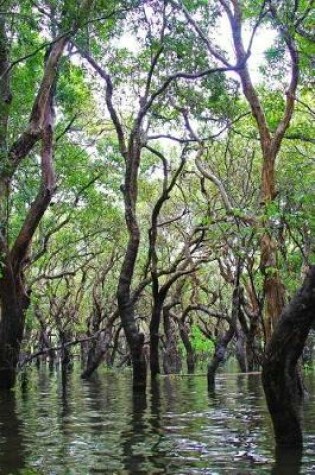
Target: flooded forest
157, 252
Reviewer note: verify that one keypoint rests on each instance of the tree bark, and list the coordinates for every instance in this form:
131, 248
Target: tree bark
190, 352
240, 349
126, 304
155, 337
13, 307
171, 358
281, 381
223, 341
219, 355
96, 354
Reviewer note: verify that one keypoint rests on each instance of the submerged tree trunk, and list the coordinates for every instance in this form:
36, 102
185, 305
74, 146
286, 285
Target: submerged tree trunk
96, 353
240, 349
97, 346
281, 380
159, 293
171, 358
14, 298
44, 340
253, 351
223, 341
155, 337
190, 352
111, 359
219, 355
135, 338
11, 328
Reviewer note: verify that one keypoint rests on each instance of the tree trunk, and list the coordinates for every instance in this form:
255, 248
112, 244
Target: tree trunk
219, 355
281, 381
96, 353
223, 341
65, 354
171, 359
190, 352
274, 290
240, 348
13, 307
115, 347
135, 338
270, 143
154, 336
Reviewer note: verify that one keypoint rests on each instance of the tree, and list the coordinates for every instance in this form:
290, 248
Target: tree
132, 135
40, 127
281, 379
270, 140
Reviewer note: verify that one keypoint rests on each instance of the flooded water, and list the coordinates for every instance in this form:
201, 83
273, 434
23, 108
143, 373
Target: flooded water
99, 427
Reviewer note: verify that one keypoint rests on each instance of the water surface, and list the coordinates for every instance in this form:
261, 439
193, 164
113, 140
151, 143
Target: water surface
73, 427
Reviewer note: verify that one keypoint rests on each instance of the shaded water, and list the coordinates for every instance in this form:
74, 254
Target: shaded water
98, 427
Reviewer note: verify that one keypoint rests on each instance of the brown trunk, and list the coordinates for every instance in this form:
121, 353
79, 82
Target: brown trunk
115, 347
274, 291
270, 145
159, 294
65, 354
281, 381
274, 302
135, 338
97, 346
253, 311
253, 352
139, 363
159, 297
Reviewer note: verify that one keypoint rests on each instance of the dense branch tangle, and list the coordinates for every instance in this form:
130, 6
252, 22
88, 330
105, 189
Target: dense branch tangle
270, 141
131, 149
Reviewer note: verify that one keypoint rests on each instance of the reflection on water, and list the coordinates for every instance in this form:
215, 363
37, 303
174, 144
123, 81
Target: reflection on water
53, 425
12, 451
288, 462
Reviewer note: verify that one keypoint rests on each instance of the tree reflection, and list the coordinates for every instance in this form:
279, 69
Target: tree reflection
12, 448
134, 438
156, 425
143, 440
287, 461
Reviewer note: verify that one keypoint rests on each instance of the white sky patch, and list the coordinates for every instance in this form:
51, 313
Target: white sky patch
129, 41
264, 38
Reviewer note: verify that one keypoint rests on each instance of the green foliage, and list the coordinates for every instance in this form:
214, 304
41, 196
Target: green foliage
200, 343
